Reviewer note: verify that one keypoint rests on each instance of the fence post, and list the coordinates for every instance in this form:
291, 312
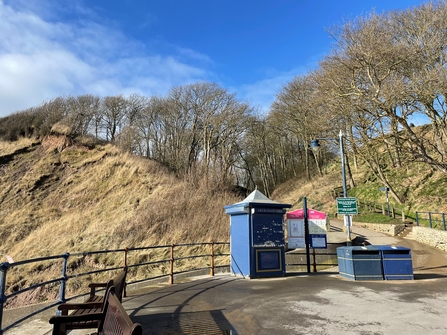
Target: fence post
393, 213
125, 266
212, 260
125, 256
429, 219
417, 220
63, 280
3, 269
383, 209
171, 266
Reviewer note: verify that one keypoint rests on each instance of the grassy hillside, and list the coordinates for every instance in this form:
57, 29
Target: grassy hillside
57, 197
424, 190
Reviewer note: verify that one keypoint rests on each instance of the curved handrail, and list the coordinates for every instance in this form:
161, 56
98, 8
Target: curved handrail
6, 266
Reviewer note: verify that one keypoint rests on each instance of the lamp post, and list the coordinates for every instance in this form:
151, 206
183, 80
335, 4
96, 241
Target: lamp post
315, 146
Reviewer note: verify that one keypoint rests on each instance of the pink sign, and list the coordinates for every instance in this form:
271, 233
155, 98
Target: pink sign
311, 214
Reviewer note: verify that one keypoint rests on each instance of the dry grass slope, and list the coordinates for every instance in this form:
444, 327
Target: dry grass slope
59, 197
80, 199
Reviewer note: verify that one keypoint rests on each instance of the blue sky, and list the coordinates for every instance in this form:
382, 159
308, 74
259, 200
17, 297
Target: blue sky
51, 48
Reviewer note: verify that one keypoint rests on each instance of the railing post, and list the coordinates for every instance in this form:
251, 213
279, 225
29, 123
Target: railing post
3, 269
393, 213
443, 221
314, 260
125, 256
429, 218
417, 220
383, 209
63, 279
126, 250
403, 215
212, 260
171, 263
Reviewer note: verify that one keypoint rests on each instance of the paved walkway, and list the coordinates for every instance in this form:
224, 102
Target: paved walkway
317, 303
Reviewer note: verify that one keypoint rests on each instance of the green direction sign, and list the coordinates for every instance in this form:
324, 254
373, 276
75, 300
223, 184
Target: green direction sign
347, 206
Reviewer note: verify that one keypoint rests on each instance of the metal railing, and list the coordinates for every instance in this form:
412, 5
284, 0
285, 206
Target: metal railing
323, 258
385, 209
68, 272
434, 219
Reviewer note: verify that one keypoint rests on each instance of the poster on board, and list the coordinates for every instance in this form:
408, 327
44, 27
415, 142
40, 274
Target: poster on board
318, 225
295, 229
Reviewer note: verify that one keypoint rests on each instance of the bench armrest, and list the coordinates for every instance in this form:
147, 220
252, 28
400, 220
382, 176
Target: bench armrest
97, 285
94, 286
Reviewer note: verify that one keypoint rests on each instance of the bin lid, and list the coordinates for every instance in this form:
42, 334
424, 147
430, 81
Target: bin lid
391, 247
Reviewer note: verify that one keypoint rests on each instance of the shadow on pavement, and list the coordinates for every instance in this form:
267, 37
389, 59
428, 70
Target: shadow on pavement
426, 276
198, 322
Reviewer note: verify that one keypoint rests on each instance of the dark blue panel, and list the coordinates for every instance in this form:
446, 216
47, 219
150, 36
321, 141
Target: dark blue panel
268, 230
269, 262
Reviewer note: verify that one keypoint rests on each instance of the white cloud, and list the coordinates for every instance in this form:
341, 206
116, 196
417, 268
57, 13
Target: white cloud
42, 58
262, 93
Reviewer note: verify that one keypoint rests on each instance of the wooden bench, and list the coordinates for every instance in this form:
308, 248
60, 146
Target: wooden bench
113, 319
93, 305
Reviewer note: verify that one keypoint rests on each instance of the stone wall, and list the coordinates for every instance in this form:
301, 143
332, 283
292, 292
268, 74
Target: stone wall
434, 237
389, 229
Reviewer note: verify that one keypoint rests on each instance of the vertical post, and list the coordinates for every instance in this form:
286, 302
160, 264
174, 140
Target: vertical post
314, 259
306, 233
443, 221
212, 260
383, 209
403, 215
429, 219
393, 214
63, 281
347, 218
171, 266
387, 201
417, 220
3, 269
126, 250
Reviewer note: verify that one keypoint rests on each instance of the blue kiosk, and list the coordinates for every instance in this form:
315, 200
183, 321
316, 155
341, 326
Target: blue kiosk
257, 237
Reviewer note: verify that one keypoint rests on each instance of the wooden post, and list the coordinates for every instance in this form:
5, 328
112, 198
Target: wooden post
383, 209
125, 256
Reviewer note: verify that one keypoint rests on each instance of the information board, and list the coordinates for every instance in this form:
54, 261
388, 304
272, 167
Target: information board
295, 227
347, 206
296, 238
318, 241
